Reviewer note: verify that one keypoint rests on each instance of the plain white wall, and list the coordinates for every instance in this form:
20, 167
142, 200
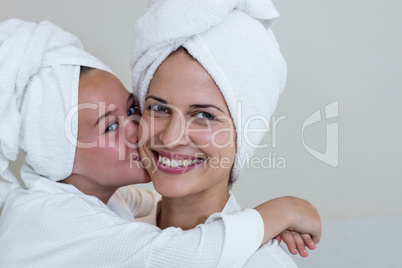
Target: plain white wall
344, 51
350, 52
104, 26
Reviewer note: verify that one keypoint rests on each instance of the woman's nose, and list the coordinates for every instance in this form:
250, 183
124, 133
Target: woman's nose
174, 132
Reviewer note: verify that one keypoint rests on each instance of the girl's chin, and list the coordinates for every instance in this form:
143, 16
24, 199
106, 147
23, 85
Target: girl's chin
144, 180
141, 176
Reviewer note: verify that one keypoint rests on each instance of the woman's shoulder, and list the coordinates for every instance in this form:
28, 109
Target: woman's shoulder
142, 203
269, 255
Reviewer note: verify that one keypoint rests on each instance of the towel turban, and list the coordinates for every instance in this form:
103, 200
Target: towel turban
233, 41
39, 78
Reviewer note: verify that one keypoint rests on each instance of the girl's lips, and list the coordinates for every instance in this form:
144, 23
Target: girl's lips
135, 157
175, 164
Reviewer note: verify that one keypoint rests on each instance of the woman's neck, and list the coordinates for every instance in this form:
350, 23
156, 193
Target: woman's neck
189, 211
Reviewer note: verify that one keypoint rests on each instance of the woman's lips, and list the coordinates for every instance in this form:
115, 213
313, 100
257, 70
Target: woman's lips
175, 163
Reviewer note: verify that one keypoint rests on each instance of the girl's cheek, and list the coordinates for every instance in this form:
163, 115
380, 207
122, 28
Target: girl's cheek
110, 141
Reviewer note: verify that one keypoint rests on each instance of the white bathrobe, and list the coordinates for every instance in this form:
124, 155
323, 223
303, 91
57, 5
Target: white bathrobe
76, 230
270, 255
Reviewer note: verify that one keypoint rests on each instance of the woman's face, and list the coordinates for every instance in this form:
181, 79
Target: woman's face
186, 130
107, 153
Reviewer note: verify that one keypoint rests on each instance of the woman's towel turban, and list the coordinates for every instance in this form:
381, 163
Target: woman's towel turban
233, 41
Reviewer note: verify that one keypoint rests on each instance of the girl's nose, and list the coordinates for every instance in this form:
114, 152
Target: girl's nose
131, 131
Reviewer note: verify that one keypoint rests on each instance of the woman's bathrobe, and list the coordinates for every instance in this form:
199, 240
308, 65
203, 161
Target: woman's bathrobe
270, 255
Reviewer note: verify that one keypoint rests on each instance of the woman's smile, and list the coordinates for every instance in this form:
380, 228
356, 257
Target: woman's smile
175, 163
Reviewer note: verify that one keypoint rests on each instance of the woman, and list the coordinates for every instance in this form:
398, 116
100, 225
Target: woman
195, 84
192, 171
70, 212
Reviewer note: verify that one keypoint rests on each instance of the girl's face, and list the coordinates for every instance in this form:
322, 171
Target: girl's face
107, 153
186, 130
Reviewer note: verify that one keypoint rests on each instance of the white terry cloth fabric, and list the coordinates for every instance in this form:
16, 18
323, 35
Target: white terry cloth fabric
39, 75
233, 41
269, 255
76, 230
142, 204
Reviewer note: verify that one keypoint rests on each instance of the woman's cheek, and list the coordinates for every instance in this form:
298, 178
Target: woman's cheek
223, 137
214, 138
142, 130
201, 139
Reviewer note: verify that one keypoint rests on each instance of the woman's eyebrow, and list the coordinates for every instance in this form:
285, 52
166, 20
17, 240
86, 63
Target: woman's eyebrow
157, 99
203, 106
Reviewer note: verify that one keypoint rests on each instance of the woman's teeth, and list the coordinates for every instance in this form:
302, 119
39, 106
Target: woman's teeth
177, 163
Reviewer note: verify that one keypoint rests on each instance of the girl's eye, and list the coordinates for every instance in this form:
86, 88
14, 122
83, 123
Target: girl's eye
133, 109
206, 116
158, 108
111, 127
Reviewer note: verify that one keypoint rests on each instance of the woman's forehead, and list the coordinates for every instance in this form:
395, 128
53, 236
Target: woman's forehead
180, 78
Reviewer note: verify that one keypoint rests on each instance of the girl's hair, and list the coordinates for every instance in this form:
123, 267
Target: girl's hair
184, 50
84, 70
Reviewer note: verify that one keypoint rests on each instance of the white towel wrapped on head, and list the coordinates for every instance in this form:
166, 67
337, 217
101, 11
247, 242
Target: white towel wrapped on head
233, 41
39, 76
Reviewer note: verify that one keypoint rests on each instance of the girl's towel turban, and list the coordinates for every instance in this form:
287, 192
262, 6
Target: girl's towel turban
39, 76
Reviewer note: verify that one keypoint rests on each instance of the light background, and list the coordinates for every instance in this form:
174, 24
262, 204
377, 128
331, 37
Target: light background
345, 51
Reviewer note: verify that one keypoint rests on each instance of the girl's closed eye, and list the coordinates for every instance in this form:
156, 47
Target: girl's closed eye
111, 127
133, 109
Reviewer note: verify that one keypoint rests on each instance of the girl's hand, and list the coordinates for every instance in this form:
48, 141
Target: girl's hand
297, 242
292, 214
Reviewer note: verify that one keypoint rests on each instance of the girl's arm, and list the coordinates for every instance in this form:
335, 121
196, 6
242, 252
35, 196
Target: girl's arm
290, 213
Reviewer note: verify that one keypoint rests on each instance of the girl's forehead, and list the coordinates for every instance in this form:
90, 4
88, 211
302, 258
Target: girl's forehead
101, 86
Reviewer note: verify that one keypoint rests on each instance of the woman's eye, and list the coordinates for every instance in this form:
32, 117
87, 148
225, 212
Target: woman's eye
111, 127
206, 116
133, 109
158, 108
